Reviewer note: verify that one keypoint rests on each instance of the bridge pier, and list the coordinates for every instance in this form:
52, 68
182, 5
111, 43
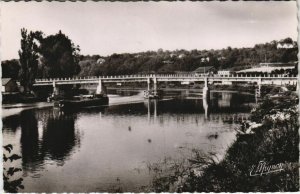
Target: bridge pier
154, 86
55, 89
151, 90
148, 83
100, 88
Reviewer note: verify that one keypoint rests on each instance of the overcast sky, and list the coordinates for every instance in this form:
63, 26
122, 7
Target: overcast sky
115, 27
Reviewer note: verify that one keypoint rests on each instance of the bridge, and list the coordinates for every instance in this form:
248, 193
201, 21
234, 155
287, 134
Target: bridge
153, 79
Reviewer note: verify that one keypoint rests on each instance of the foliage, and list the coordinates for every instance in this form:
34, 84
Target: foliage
164, 61
10, 69
11, 185
28, 58
59, 56
275, 141
170, 174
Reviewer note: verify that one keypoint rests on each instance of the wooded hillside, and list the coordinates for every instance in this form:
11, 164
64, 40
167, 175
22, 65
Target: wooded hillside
161, 61
164, 61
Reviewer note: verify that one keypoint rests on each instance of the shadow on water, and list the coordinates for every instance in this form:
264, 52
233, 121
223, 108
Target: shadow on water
45, 135
59, 137
11, 123
31, 156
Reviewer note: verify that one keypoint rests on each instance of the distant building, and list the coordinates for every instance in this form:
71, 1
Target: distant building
173, 55
204, 70
100, 60
285, 45
204, 59
269, 67
168, 62
221, 58
181, 56
182, 72
9, 85
185, 83
224, 72
292, 64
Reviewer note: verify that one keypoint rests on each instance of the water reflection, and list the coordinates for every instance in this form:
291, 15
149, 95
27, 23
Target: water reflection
11, 123
59, 137
45, 134
97, 146
30, 149
151, 106
222, 106
205, 107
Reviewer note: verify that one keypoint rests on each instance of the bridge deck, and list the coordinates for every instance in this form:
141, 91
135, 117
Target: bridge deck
165, 78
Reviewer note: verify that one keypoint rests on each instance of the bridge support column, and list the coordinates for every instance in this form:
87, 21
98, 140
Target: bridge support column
206, 92
55, 89
147, 92
148, 83
100, 88
154, 86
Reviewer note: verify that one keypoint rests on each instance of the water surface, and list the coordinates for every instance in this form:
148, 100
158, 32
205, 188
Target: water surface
109, 149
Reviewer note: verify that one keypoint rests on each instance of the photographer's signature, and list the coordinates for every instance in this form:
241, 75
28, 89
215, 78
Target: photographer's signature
265, 168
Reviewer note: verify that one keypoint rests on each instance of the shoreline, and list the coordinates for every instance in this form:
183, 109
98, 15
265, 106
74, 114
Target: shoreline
270, 137
16, 109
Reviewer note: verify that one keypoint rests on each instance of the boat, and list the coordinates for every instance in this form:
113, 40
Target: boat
152, 94
82, 101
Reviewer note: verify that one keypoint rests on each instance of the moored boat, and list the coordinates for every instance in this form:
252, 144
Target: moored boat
82, 101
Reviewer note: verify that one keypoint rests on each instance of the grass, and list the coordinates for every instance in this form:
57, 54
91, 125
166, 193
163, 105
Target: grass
274, 142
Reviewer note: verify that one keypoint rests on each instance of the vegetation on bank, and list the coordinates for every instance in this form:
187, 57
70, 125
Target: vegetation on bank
11, 176
164, 61
274, 142
42, 56
60, 57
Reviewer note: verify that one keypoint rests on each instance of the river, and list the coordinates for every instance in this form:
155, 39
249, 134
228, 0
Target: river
109, 149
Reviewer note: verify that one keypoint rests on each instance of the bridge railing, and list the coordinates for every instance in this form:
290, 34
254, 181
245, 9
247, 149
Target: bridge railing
139, 76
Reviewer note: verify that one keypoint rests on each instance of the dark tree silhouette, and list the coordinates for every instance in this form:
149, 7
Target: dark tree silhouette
28, 58
59, 56
10, 69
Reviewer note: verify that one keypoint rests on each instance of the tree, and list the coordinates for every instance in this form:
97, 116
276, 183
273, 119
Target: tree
10, 69
28, 58
59, 56
287, 40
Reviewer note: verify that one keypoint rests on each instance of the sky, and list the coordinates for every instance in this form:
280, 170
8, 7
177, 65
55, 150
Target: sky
105, 28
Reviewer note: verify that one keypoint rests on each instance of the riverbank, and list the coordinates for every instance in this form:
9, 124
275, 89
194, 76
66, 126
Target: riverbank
262, 159
14, 109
